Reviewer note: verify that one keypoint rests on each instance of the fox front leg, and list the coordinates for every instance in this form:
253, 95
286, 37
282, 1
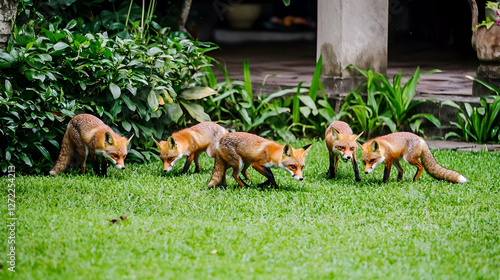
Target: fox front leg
189, 159
334, 162
104, 167
355, 167
387, 171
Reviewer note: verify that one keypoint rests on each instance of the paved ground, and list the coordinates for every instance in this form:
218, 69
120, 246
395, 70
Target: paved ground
295, 62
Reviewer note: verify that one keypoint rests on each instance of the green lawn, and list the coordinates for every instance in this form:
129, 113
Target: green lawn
314, 229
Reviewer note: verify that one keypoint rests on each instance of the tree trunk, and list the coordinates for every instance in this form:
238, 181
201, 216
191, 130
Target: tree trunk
8, 11
181, 20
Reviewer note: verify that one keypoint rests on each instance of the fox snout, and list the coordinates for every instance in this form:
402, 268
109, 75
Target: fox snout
167, 168
296, 177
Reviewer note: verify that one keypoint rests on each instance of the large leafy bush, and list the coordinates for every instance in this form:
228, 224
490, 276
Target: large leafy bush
50, 73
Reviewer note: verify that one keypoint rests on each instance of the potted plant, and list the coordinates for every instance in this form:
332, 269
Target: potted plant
486, 42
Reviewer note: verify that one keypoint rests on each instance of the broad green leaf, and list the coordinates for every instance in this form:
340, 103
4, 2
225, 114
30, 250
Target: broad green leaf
131, 105
195, 93
26, 159
44, 151
174, 111
72, 23
452, 134
60, 46
308, 101
8, 87
196, 111
451, 103
153, 100
126, 125
153, 51
115, 90
306, 111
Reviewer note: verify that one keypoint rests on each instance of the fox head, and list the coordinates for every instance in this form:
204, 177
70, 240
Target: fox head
169, 152
294, 160
373, 155
345, 144
116, 149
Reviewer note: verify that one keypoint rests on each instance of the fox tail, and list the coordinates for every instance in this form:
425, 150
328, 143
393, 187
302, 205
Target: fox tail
65, 155
437, 171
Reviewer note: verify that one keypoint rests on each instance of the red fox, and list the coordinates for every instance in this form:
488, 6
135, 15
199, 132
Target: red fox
88, 135
239, 150
341, 142
392, 147
190, 142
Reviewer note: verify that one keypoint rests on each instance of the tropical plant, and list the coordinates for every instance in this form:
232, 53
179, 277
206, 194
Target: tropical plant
282, 114
479, 124
390, 100
315, 114
368, 113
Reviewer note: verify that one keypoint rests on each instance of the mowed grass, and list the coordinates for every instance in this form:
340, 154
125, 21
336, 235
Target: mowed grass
313, 229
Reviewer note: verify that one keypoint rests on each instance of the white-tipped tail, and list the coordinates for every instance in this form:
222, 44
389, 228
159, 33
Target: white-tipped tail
462, 179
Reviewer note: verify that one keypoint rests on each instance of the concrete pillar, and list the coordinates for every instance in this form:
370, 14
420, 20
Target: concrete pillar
351, 32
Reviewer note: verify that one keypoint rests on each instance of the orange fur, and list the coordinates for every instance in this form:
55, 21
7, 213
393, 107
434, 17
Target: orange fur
190, 142
239, 150
340, 141
88, 135
392, 147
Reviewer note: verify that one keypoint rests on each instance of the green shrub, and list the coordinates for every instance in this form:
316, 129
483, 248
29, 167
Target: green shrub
51, 73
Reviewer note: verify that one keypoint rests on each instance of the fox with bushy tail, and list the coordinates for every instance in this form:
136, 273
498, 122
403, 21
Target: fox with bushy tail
392, 147
87, 135
239, 150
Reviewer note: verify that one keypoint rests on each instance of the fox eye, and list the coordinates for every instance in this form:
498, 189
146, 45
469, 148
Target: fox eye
340, 148
293, 166
352, 149
114, 155
372, 160
170, 158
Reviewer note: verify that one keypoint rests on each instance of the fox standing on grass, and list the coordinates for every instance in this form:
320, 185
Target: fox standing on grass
340, 141
88, 135
239, 150
190, 142
392, 147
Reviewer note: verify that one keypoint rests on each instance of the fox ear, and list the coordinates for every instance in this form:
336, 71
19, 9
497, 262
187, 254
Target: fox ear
359, 135
306, 149
130, 138
108, 138
171, 142
335, 134
287, 150
374, 147
157, 140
